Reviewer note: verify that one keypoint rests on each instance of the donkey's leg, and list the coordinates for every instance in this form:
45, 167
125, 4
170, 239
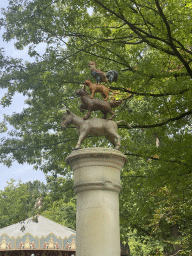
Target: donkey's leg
118, 145
111, 139
114, 138
82, 136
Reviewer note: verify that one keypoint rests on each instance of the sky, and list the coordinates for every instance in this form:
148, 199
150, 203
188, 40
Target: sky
17, 172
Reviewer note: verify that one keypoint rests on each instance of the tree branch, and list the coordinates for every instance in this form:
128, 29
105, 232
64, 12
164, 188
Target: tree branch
139, 31
177, 53
157, 159
147, 94
159, 124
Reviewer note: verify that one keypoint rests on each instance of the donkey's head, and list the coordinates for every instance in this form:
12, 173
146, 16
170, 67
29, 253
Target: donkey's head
67, 119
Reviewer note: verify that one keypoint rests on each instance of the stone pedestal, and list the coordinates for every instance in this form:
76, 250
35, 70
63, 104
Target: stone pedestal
97, 185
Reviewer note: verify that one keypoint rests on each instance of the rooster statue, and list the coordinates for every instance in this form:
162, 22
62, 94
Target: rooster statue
100, 76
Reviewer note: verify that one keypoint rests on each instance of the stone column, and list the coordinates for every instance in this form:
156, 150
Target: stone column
97, 185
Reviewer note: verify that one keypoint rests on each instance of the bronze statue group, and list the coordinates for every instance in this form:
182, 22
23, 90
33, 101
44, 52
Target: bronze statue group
96, 126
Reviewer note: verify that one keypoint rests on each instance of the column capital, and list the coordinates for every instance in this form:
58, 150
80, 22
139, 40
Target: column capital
96, 157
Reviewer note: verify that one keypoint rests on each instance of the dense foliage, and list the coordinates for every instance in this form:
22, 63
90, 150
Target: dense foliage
55, 200
59, 204
19, 201
149, 44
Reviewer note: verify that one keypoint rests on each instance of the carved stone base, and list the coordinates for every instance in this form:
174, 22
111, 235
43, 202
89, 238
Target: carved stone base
97, 185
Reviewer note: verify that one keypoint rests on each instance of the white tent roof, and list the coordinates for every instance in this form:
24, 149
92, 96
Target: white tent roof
41, 228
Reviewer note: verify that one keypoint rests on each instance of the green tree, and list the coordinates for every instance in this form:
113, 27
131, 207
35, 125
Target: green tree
149, 44
55, 200
60, 203
18, 201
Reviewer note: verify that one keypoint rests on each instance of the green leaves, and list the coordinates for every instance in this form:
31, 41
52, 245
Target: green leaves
60, 203
148, 43
18, 201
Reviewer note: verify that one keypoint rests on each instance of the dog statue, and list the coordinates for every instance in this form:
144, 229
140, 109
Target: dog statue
98, 88
100, 76
96, 104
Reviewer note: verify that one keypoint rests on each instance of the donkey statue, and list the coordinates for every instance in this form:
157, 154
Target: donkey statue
93, 127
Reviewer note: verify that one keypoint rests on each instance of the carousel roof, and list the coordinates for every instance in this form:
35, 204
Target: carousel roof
41, 234
42, 227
